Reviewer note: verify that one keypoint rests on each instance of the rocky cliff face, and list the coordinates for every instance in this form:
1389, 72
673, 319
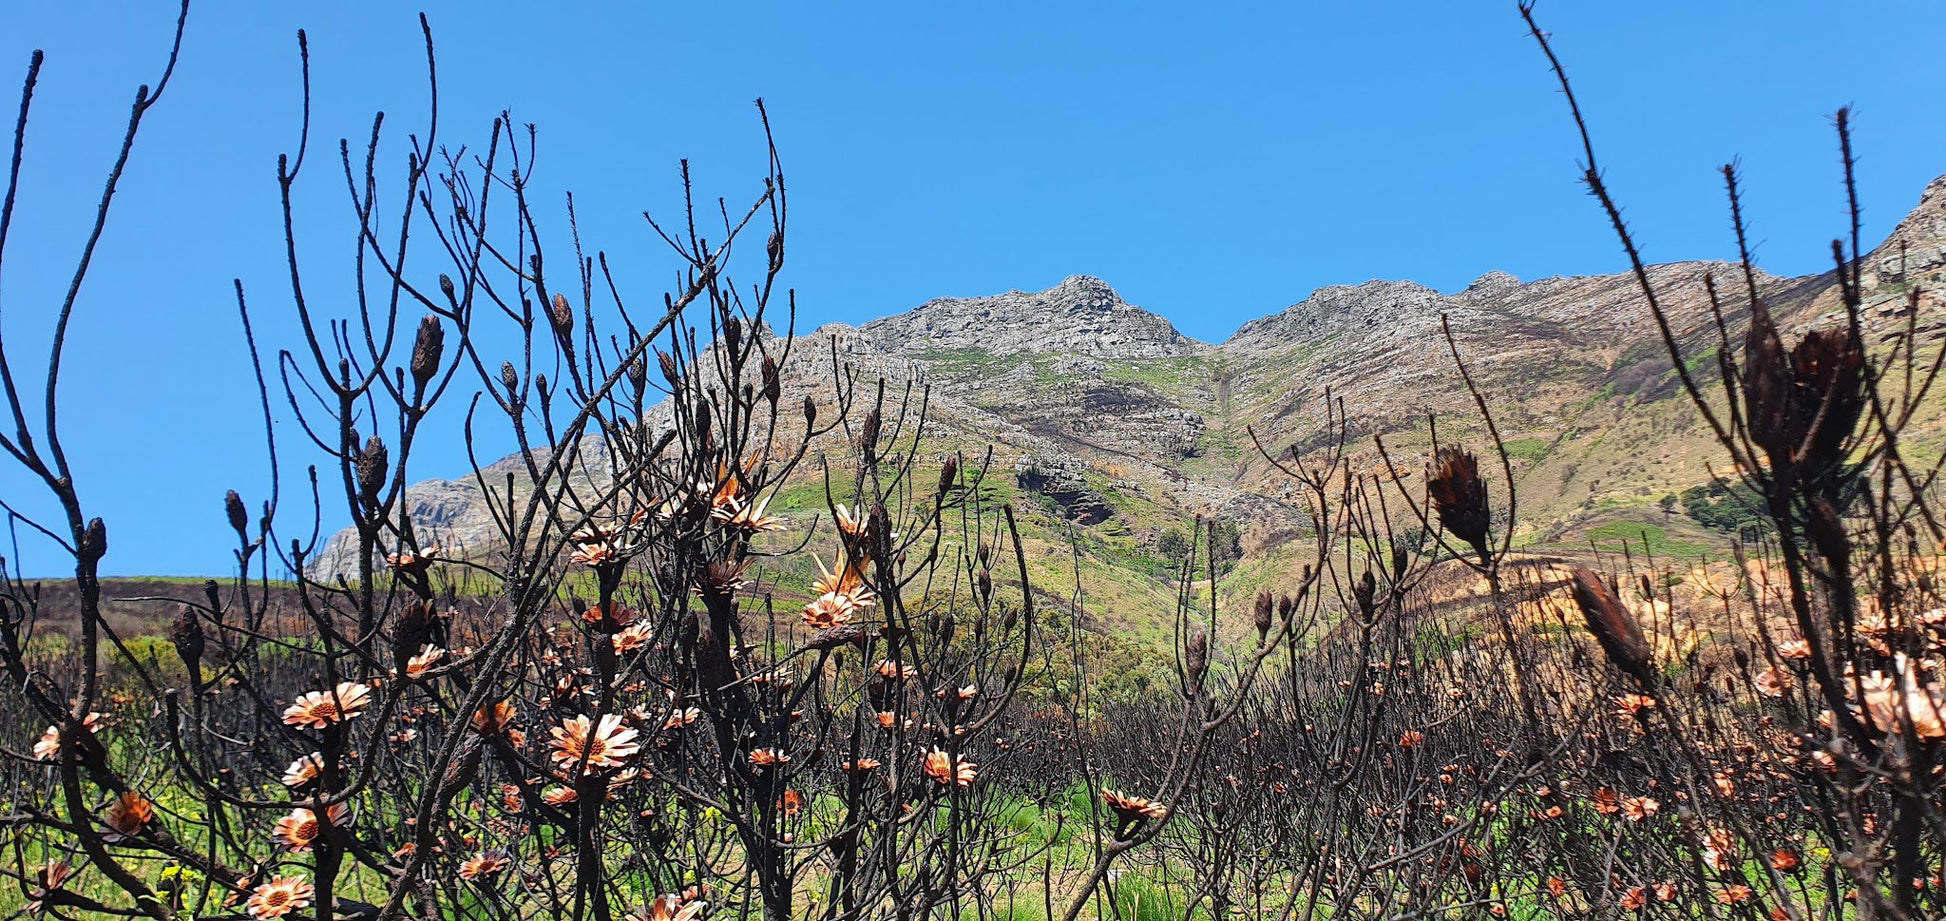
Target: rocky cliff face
1117, 424
1081, 316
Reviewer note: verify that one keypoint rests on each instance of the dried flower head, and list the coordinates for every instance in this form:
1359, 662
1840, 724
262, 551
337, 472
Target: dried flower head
607, 744
281, 896
1460, 497
48, 746
1130, 810
301, 828
945, 770
1614, 628
304, 771
484, 865
321, 709
127, 816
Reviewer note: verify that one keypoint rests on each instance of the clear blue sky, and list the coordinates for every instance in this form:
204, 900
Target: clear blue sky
1214, 162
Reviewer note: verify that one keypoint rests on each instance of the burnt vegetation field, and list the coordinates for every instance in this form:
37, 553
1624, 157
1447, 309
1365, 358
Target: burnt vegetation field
750, 642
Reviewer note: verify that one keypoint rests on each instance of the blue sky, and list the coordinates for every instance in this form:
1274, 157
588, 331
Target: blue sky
1215, 162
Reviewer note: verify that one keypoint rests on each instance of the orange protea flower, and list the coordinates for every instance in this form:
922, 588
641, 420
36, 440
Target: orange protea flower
1666, 891
1637, 808
1132, 809
1719, 849
407, 561
829, 610
558, 796
128, 815
1635, 899
304, 771
1726, 784
850, 523
848, 580
49, 879
613, 613
1733, 895
671, 907
605, 745
48, 747
791, 803
632, 637
748, 516
279, 897
483, 864
592, 554
301, 829
1412, 739
768, 757
1784, 860
680, 717
1773, 682
945, 770
1924, 706
320, 709
779, 675
862, 765
419, 665
494, 718
1794, 648
1628, 705
894, 671
1606, 802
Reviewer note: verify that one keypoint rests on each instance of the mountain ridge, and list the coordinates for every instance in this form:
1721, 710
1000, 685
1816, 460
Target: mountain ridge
1110, 427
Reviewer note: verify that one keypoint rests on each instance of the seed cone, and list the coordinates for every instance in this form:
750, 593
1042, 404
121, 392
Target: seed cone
1801, 407
1613, 627
427, 350
1460, 497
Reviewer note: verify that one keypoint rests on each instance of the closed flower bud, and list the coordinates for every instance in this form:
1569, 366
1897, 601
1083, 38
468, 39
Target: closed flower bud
670, 372
1366, 594
373, 464
509, 377
1195, 656
638, 375
1261, 616
187, 636
773, 386
1613, 627
810, 412
413, 629
948, 475
732, 333
562, 315
427, 350
239, 518
94, 540
868, 435
446, 288
1460, 497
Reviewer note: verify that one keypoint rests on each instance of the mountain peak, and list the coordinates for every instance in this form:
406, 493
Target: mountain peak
1082, 315
1490, 285
1338, 307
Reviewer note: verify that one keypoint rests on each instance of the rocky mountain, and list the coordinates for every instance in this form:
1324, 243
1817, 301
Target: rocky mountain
1112, 429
